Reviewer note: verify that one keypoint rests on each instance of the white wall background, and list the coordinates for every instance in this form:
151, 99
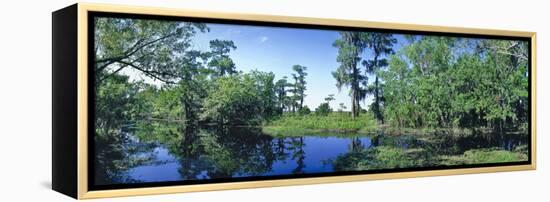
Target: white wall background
25, 99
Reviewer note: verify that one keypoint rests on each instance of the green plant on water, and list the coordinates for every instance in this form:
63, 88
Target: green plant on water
382, 157
492, 155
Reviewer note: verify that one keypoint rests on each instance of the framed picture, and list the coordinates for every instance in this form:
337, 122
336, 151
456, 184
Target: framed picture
154, 100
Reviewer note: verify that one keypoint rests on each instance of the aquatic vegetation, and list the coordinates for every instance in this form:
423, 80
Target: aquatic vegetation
412, 101
382, 157
481, 156
385, 157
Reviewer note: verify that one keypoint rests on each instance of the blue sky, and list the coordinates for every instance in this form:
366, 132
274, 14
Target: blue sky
274, 49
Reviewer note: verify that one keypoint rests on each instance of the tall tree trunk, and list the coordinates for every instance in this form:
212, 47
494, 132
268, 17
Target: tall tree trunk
302, 101
353, 105
356, 89
376, 108
377, 100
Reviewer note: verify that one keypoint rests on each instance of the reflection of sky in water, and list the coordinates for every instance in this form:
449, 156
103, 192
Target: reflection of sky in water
255, 154
165, 170
318, 152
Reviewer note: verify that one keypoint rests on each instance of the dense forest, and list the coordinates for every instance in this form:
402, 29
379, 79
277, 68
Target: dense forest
433, 81
197, 87
422, 83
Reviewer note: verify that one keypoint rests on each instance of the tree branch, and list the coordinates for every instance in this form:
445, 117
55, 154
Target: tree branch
124, 65
506, 51
112, 73
130, 52
153, 74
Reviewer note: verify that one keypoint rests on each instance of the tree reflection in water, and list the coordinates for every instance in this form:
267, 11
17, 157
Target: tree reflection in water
223, 152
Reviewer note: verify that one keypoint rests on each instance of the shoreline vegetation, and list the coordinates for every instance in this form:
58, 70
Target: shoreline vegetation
342, 124
420, 100
426, 84
384, 157
335, 122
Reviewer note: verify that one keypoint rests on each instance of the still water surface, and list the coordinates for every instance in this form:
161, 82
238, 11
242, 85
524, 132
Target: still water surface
172, 154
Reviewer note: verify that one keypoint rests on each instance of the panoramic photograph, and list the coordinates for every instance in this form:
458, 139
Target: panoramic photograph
179, 101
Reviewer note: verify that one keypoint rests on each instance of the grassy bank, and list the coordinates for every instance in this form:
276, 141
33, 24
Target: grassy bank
335, 122
341, 123
388, 130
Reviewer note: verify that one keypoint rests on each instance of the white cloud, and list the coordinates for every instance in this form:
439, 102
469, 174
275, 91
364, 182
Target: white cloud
263, 39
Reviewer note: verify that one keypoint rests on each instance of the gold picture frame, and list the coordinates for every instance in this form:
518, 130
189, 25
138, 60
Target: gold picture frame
80, 184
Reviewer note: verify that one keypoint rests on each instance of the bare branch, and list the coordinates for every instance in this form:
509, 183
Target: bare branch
130, 52
153, 74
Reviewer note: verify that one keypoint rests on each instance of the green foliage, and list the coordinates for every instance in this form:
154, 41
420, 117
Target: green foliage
299, 86
350, 46
116, 104
220, 60
333, 122
477, 156
398, 94
323, 109
264, 85
380, 44
304, 110
233, 100
388, 157
281, 89
241, 99
443, 82
148, 46
381, 157
431, 82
